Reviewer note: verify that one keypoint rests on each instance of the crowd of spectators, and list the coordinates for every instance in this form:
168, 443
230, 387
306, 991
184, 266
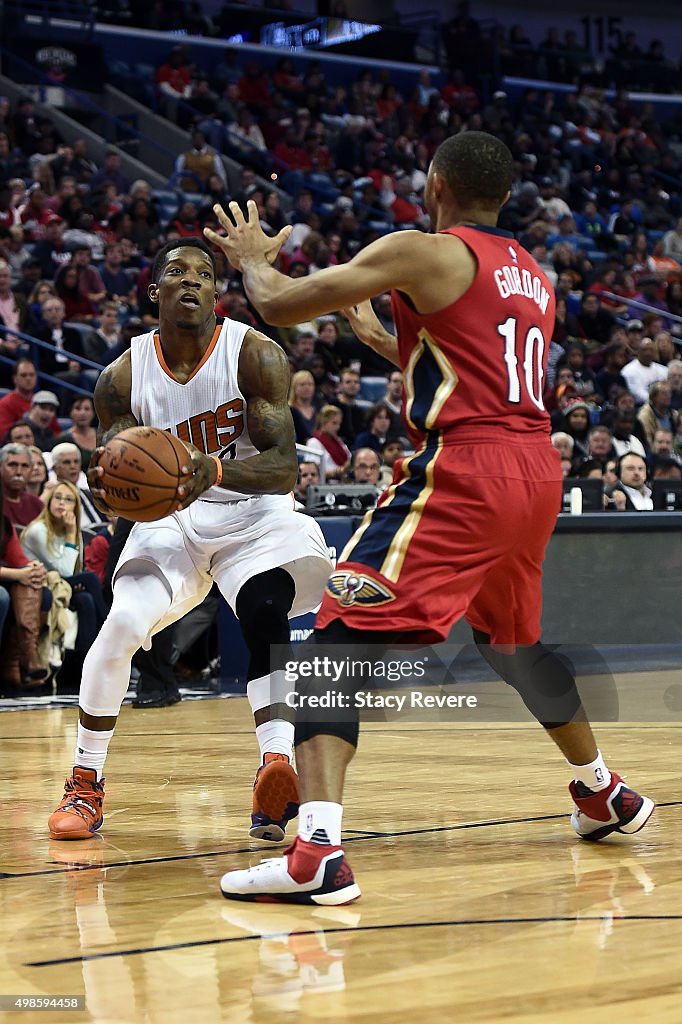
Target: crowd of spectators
490, 47
47, 531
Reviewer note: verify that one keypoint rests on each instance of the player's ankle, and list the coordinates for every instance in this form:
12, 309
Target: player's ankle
319, 821
595, 775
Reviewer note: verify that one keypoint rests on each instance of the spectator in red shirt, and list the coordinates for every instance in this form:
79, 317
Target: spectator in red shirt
286, 80
254, 88
402, 202
458, 95
90, 282
318, 155
290, 154
186, 223
97, 551
77, 307
21, 585
34, 215
174, 82
19, 506
17, 403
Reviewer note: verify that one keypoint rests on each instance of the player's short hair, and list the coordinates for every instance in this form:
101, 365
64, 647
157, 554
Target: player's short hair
477, 167
161, 257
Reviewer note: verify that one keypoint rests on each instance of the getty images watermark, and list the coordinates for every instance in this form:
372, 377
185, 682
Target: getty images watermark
335, 679
453, 683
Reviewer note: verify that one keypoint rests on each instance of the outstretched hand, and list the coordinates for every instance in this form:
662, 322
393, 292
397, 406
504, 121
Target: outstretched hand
244, 238
364, 322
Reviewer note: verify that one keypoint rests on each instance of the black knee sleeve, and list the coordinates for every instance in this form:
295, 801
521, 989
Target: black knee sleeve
341, 720
263, 605
544, 681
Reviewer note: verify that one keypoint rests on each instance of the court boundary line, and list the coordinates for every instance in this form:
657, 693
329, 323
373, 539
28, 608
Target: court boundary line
488, 726
468, 922
352, 835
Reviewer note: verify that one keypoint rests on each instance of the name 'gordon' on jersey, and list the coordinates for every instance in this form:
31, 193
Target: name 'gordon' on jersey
480, 362
511, 280
208, 409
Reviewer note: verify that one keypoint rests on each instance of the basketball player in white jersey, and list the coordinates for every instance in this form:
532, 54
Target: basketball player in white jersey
222, 388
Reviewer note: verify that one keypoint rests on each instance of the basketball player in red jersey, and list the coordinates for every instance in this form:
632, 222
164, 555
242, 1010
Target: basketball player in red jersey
222, 388
463, 528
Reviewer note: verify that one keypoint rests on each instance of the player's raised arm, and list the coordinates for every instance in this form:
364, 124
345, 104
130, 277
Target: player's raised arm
112, 399
394, 261
366, 326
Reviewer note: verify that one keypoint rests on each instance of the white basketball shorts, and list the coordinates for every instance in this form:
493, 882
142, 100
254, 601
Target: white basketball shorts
228, 543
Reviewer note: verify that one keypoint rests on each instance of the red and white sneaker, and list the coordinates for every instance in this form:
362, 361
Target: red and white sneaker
614, 809
275, 798
307, 873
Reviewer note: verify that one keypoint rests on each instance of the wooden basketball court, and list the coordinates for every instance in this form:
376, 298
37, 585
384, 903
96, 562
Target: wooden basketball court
479, 903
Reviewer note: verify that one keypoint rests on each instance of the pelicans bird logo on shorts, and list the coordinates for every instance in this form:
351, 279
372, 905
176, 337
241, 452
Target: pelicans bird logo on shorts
349, 588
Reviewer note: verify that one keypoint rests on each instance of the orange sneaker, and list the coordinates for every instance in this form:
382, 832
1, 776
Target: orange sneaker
80, 811
275, 798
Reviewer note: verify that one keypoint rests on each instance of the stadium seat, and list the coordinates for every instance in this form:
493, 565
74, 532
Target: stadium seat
166, 196
372, 389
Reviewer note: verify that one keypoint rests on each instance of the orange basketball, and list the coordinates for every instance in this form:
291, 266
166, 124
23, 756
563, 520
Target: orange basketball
142, 471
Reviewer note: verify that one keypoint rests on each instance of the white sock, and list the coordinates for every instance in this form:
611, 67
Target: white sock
276, 737
319, 821
91, 749
594, 775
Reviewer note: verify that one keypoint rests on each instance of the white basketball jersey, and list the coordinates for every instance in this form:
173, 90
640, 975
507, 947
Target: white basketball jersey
208, 409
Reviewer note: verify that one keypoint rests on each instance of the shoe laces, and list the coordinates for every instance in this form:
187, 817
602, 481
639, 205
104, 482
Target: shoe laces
78, 800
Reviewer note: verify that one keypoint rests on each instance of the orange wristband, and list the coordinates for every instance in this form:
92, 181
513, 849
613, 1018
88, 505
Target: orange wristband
219, 477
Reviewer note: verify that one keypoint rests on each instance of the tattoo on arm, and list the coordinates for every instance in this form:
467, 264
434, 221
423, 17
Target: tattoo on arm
112, 400
264, 380
269, 425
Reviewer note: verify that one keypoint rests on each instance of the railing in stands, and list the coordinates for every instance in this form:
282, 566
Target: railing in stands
46, 10
644, 307
243, 146
32, 348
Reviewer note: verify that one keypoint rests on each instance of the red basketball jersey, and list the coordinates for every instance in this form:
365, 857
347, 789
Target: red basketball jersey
480, 362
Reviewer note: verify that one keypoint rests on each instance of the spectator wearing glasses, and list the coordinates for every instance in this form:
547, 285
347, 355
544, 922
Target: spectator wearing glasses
308, 473
366, 466
54, 539
67, 468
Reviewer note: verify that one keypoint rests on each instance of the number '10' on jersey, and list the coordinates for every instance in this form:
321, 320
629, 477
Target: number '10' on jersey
480, 362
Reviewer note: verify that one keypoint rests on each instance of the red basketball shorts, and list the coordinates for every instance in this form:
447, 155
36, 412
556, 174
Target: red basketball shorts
461, 531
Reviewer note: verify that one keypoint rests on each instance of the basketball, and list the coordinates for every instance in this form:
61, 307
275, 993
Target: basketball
142, 470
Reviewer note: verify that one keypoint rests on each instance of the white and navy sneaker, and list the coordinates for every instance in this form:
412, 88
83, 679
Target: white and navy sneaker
307, 873
614, 809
